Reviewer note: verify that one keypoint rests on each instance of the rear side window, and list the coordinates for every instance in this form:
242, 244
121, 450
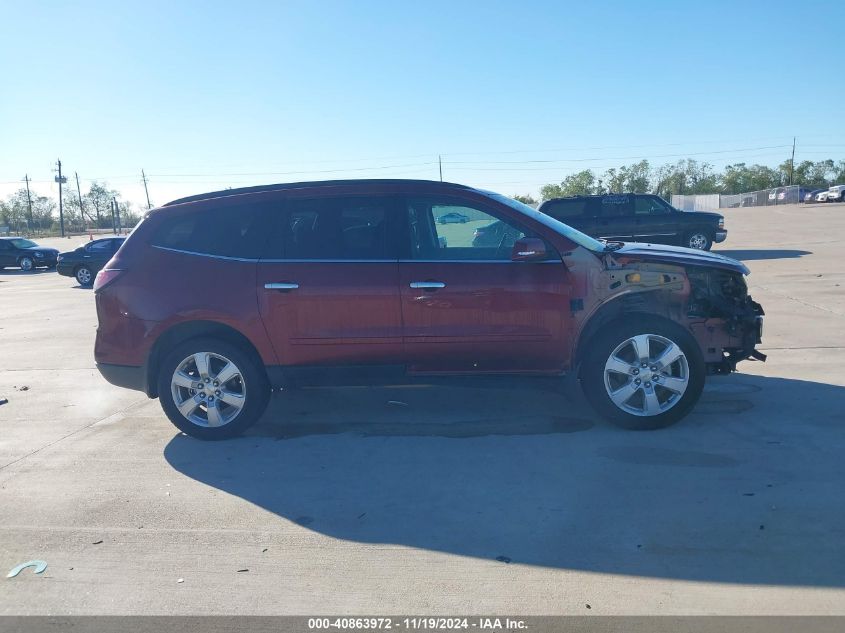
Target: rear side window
236, 231
343, 228
567, 209
616, 205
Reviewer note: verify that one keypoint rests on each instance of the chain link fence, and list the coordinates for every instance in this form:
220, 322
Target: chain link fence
792, 194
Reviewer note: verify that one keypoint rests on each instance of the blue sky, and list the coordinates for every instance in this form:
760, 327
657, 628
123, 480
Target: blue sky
205, 95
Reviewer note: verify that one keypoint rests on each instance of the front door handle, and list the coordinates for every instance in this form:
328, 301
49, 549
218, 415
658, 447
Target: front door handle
427, 285
281, 286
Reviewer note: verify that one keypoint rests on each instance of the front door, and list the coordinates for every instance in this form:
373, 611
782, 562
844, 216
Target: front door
466, 306
7, 254
654, 221
328, 284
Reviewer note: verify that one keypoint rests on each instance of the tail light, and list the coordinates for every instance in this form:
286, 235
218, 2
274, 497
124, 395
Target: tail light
105, 277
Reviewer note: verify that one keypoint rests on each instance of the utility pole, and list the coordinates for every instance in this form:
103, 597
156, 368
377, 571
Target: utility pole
28, 200
61, 180
113, 220
440, 164
792, 161
79, 193
144, 178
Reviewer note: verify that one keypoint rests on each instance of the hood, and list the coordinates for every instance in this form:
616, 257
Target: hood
679, 255
41, 249
706, 214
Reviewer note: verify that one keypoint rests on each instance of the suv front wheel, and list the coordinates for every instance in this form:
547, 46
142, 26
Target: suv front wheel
699, 240
211, 389
643, 373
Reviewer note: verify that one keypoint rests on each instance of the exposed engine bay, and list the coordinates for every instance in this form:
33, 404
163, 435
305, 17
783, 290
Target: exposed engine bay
723, 294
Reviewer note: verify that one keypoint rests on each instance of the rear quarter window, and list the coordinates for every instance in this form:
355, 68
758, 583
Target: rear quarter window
231, 231
567, 209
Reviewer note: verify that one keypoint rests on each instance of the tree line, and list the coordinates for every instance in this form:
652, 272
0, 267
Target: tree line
95, 211
689, 176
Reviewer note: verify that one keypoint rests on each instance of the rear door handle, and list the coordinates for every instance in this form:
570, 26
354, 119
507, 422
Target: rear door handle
281, 286
427, 285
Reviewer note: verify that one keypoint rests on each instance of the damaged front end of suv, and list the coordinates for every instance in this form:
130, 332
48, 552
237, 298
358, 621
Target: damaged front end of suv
705, 293
733, 321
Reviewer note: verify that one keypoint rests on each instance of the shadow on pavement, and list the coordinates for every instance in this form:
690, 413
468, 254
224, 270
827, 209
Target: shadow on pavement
16, 272
747, 489
750, 254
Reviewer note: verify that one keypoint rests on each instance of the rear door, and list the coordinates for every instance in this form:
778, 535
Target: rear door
616, 217
328, 282
466, 306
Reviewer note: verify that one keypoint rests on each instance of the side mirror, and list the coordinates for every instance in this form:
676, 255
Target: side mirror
529, 249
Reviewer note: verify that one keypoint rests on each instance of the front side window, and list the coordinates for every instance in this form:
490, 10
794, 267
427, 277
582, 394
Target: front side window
440, 230
649, 205
22, 243
230, 231
343, 228
100, 246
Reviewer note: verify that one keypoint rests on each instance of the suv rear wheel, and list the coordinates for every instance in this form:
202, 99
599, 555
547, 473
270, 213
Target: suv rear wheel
698, 240
211, 389
643, 373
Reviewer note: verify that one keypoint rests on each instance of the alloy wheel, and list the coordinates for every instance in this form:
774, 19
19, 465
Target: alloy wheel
208, 389
646, 375
83, 276
698, 241
26, 264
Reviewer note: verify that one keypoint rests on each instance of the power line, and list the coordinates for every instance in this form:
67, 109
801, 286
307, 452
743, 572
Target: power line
605, 158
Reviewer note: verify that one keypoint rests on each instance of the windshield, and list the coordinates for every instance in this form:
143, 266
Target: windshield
582, 239
22, 243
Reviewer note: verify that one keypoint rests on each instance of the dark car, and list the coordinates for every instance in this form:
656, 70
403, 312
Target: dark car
810, 196
639, 218
25, 254
453, 218
87, 260
216, 299
495, 234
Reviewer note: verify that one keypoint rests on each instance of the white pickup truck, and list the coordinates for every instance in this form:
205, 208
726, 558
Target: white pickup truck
836, 194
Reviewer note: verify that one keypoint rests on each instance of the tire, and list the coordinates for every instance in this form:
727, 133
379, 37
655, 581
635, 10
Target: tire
699, 240
249, 382
681, 381
26, 264
84, 276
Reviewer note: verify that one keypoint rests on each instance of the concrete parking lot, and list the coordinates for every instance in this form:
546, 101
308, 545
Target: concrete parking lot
437, 500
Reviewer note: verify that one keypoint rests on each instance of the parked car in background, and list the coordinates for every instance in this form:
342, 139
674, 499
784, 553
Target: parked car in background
453, 218
836, 193
773, 195
635, 217
87, 260
25, 254
215, 298
822, 196
810, 196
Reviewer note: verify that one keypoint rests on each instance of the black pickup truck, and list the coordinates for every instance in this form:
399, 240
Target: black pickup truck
636, 217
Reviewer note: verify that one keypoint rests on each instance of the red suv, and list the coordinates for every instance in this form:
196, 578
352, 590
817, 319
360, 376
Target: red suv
218, 298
